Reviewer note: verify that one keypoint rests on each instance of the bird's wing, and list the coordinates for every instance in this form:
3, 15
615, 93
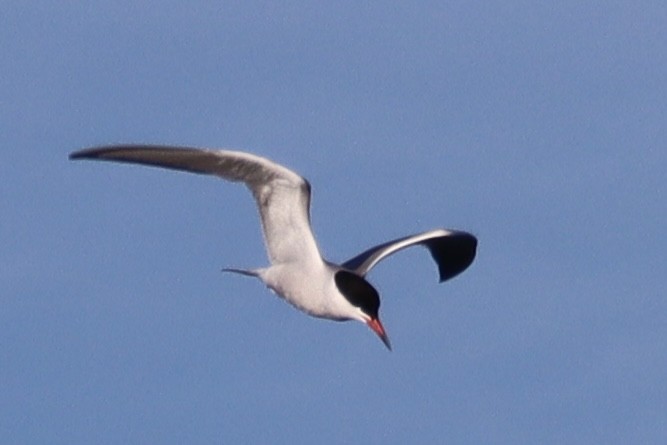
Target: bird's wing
452, 250
282, 196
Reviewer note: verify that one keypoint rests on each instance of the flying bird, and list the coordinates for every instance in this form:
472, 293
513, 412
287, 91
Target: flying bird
297, 271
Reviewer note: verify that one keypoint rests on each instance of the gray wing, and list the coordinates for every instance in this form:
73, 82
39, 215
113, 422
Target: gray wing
453, 251
282, 196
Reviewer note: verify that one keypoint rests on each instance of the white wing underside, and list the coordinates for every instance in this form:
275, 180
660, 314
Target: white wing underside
282, 196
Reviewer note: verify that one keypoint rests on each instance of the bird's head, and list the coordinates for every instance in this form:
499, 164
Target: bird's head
363, 296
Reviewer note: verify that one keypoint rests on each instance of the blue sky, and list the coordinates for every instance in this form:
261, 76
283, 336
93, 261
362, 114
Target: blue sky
540, 127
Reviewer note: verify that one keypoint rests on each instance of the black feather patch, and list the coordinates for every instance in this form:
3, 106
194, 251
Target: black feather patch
453, 254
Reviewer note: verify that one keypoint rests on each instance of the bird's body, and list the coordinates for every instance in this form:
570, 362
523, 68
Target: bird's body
297, 271
309, 287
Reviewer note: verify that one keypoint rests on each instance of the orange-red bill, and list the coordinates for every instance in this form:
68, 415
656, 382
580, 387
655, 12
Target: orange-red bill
376, 326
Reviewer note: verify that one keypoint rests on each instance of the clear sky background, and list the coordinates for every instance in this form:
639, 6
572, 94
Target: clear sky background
538, 126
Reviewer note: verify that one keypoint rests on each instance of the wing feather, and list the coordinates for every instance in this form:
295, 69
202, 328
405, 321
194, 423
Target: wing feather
452, 250
282, 196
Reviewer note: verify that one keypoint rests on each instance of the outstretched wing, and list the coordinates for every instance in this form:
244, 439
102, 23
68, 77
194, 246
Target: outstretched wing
282, 196
452, 250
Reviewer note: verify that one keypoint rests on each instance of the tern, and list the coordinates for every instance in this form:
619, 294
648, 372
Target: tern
297, 271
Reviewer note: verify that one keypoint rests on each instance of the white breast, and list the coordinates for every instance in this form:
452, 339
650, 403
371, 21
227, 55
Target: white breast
310, 287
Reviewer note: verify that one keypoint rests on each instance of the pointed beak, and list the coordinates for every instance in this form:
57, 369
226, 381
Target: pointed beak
376, 326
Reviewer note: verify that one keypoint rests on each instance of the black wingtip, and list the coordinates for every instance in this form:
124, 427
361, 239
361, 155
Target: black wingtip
104, 151
454, 254
88, 153
75, 155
